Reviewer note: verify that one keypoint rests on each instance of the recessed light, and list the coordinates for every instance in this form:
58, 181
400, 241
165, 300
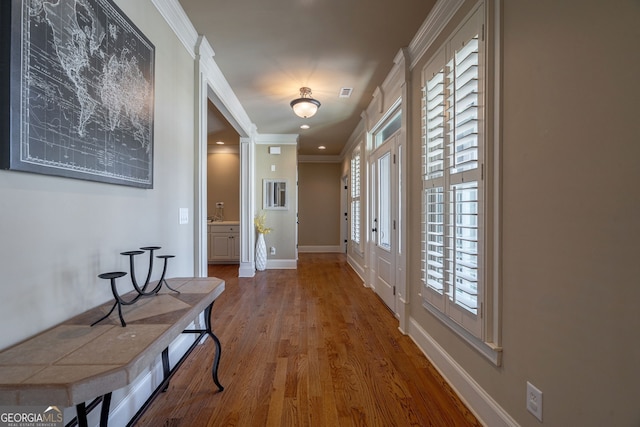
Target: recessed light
322, 147
220, 142
304, 127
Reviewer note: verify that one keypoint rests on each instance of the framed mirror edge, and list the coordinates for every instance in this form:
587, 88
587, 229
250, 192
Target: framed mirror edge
275, 194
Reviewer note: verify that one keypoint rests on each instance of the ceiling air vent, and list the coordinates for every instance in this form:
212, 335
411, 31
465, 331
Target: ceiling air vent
345, 92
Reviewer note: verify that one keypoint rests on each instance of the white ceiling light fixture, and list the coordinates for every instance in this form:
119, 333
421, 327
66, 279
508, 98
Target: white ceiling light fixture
305, 106
305, 126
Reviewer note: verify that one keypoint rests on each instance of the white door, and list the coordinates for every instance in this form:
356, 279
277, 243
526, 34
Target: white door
382, 222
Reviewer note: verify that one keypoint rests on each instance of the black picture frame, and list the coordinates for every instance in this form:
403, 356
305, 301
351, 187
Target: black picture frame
77, 89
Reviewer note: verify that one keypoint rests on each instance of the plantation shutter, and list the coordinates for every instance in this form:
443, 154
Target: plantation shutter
355, 197
452, 179
433, 123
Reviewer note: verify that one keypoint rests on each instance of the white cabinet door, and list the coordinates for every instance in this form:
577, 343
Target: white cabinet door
224, 243
221, 245
235, 246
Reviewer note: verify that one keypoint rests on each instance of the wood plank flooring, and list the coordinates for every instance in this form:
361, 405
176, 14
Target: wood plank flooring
307, 347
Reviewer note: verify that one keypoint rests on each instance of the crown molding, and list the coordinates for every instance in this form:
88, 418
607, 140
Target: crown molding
357, 137
221, 93
440, 15
177, 19
200, 49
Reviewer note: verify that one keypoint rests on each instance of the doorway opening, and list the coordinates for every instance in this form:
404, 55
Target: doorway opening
223, 189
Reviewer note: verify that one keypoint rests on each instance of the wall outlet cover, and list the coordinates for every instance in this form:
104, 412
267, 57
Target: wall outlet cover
534, 401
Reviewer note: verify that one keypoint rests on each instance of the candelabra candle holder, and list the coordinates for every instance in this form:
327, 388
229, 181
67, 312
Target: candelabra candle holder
140, 290
164, 270
119, 302
134, 282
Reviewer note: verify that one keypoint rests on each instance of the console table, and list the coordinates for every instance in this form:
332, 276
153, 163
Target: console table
74, 363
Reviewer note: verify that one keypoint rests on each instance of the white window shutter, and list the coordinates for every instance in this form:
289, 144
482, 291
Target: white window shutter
355, 197
452, 181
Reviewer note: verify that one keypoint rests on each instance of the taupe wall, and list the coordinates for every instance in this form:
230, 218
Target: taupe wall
58, 234
223, 184
570, 216
284, 234
319, 209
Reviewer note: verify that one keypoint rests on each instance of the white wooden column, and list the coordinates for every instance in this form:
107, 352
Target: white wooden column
247, 209
203, 53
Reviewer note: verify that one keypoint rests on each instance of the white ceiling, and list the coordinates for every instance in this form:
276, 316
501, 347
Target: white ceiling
268, 49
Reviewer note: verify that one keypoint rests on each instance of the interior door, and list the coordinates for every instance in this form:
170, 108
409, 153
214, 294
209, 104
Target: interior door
382, 231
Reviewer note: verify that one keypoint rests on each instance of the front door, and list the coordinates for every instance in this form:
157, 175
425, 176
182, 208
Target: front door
383, 224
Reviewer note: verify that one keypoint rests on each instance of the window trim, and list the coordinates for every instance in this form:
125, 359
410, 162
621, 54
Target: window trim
489, 345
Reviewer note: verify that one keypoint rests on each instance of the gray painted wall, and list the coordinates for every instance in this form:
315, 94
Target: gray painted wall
58, 234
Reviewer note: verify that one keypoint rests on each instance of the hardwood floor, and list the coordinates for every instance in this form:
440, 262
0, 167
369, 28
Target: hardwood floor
307, 347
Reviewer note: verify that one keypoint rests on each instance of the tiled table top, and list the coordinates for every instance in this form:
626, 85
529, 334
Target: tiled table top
73, 362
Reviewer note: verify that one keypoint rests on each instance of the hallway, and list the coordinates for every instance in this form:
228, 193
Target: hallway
307, 347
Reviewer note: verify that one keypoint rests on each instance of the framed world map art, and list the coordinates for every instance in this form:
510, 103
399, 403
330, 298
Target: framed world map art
76, 91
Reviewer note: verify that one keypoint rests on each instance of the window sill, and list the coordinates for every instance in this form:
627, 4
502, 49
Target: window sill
489, 350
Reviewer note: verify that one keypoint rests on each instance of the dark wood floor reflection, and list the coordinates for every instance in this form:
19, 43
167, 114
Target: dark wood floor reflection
307, 347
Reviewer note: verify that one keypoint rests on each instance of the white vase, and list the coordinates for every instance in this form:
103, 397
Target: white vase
261, 253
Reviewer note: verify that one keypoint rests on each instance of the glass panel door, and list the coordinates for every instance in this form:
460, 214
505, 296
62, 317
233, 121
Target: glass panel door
383, 199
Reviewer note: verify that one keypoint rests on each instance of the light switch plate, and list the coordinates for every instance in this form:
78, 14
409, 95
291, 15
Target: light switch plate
184, 216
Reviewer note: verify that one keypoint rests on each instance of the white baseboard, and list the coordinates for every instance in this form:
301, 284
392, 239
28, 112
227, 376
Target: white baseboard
247, 269
487, 410
337, 249
356, 267
282, 264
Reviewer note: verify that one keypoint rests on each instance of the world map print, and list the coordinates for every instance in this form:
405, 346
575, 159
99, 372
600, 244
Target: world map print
87, 77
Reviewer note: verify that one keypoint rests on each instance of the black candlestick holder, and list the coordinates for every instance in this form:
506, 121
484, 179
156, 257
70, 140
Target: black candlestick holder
119, 302
140, 290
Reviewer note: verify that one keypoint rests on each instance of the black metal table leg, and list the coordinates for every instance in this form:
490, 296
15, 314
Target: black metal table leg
104, 411
165, 368
216, 359
81, 413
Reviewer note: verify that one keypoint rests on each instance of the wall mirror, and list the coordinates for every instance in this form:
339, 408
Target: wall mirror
274, 194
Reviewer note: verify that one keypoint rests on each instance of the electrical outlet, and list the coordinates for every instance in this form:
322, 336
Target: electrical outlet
272, 250
534, 401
